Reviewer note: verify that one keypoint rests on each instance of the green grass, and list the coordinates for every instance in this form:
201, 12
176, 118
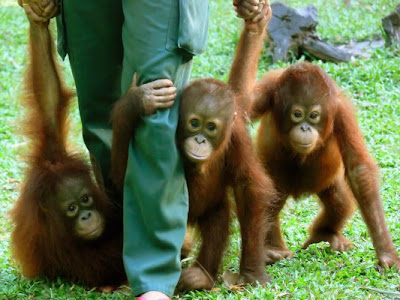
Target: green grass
315, 273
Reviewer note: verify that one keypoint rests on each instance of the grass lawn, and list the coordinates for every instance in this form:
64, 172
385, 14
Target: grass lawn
315, 273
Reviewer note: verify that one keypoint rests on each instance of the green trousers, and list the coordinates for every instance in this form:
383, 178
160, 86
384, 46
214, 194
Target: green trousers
107, 41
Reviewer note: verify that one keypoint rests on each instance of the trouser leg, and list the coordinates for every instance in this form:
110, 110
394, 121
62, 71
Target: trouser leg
91, 33
156, 205
155, 192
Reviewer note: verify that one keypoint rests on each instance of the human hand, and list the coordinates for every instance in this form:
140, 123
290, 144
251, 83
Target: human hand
253, 10
246, 8
155, 95
261, 21
39, 11
264, 9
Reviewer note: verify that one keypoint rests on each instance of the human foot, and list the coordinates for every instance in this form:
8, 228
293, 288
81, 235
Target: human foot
153, 295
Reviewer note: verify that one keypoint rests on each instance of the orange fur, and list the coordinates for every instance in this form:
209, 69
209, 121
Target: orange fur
338, 170
233, 164
125, 117
42, 241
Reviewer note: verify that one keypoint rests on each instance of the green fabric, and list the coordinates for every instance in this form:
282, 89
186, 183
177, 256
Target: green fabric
193, 25
155, 192
91, 34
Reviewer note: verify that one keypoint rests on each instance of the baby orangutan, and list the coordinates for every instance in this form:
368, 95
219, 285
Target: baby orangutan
218, 157
64, 223
310, 142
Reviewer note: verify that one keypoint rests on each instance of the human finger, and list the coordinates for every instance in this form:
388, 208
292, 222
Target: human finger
266, 10
243, 12
36, 8
50, 9
31, 15
251, 2
249, 6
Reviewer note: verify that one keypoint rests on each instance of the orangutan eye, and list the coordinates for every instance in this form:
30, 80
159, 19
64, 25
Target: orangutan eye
314, 117
71, 208
297, 114
195, 123
87, 200
211, 127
